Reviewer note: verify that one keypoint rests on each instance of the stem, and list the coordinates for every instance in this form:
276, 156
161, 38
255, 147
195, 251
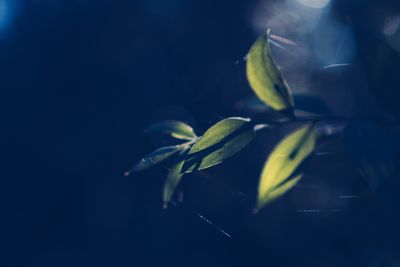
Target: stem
317, 119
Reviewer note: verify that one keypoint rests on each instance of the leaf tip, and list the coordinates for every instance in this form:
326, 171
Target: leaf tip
259, 127
165, 205
133, 169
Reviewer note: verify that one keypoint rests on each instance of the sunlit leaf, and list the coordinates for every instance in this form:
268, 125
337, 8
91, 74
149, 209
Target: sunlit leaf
280, 172
155, 157
372, 150
265, 78
175, 175
311, 104
176, 129
221, 141
283, 188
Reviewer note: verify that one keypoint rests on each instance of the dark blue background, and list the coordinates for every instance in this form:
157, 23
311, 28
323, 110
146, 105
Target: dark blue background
80, 80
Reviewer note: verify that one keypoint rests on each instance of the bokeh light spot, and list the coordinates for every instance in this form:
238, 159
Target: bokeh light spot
314, 3
4, 14
391, 26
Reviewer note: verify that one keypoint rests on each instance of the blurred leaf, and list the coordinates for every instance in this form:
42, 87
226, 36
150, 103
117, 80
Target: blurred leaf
155, 157
265, 78
221, 141
283, 188
372, 150
174, 177
176, 129
311, 104
279, 174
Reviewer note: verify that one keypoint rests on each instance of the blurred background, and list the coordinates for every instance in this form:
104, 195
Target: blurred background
81, 79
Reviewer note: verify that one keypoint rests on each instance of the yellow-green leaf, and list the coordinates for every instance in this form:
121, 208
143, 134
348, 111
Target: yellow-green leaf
280, 171
265, 78
282, 189
176, 129
221, 141
155, 157
174, 177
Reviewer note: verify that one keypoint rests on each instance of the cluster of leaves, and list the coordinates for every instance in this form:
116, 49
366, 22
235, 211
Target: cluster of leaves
368, 144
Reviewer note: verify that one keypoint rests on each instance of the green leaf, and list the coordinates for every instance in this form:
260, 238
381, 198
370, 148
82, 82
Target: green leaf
221, 141
265, 78
311, 104
372, 150
155, 157
280, 172
283, 188
176, 129
174, 177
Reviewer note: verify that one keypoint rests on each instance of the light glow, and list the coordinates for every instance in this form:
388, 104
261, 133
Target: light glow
314, 3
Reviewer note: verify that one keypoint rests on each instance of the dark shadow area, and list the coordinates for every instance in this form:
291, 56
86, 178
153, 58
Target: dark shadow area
81, 80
